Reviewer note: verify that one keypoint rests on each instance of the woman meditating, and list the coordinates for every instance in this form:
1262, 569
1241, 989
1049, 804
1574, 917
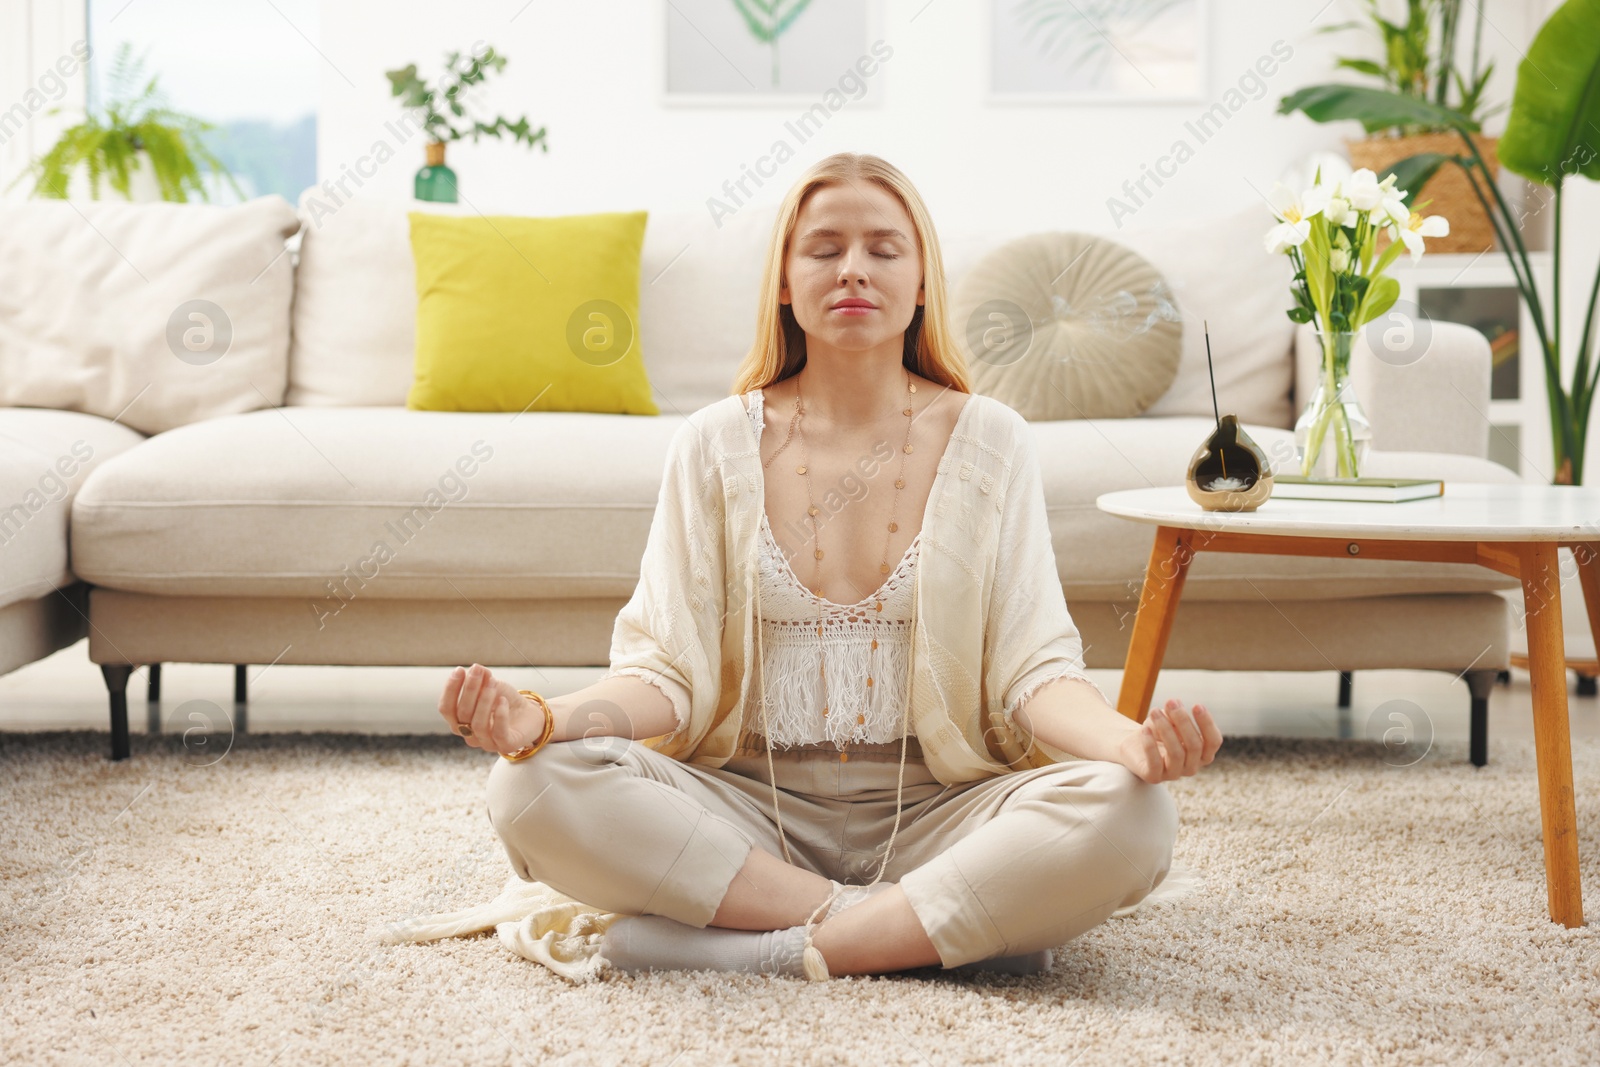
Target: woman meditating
846, 727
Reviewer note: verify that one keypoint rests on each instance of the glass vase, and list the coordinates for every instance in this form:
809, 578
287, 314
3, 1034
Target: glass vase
435, 181
1332, 435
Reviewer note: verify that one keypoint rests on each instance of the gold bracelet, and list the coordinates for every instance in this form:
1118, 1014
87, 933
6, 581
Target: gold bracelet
549, 728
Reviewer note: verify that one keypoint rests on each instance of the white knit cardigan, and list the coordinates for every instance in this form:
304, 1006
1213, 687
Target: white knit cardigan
992, 622
991, 626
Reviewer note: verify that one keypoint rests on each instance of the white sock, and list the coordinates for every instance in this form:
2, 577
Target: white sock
655, 942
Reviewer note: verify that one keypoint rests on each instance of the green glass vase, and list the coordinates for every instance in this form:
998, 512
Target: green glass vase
435, 181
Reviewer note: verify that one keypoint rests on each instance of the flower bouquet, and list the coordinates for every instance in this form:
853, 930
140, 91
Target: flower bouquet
1330, 234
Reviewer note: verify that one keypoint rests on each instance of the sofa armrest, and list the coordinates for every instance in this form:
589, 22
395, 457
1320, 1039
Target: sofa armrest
1437, 402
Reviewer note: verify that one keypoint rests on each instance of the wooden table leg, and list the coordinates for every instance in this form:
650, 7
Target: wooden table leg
1547, 667
1587, 555
1158, 604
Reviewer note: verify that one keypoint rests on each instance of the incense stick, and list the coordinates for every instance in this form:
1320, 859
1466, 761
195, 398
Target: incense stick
1209, 370
1215, 411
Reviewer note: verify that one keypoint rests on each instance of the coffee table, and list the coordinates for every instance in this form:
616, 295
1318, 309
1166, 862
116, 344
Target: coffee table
1513, 529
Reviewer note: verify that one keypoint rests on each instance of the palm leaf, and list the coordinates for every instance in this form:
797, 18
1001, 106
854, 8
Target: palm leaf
1375, 109
1554, 126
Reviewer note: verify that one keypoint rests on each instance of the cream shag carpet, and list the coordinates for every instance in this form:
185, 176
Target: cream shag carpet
181, 908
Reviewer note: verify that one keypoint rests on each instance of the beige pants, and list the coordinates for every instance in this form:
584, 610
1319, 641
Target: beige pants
996, 867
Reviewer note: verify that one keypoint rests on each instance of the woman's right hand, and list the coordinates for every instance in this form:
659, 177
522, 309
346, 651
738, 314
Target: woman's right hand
488, 712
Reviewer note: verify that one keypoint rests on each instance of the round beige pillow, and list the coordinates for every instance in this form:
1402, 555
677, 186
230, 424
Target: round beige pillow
1068, 326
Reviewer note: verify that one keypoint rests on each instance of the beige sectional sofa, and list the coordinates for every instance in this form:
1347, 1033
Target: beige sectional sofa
279, 504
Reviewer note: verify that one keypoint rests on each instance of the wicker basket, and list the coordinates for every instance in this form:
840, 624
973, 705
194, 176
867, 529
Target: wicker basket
1470, 229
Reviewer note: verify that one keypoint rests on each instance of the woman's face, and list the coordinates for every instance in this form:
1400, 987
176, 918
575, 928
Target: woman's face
853, 242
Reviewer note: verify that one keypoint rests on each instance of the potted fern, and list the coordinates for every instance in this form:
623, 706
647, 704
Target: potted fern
146, 150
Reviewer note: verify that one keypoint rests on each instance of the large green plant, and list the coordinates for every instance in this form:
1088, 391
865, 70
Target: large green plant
108, 144
1552, 134
1417, 59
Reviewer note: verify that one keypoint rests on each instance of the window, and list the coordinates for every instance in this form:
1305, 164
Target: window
252, 70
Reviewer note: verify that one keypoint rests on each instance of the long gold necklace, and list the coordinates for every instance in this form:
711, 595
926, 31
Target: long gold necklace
804, 469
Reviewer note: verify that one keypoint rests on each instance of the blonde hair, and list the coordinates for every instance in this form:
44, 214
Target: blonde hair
779, 350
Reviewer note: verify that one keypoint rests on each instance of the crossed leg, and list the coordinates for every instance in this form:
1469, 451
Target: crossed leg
1006, 865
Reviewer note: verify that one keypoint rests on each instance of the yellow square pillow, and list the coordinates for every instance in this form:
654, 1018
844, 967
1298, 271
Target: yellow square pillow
515, 311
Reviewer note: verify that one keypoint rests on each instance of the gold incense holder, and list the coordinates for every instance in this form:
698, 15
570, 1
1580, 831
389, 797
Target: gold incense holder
1229, 472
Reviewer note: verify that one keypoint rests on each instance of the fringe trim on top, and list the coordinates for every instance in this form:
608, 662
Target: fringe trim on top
789, 618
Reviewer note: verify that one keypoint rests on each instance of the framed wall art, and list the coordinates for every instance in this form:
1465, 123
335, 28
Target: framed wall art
755, 52
1105, 51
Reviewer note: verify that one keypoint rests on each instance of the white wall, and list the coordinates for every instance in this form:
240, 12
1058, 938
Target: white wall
591, 73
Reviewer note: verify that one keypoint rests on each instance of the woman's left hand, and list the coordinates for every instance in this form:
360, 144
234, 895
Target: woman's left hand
1171, 742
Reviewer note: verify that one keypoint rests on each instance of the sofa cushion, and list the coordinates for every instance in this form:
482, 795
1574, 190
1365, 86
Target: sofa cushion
330, 504
516, 312
1223, 279
335, 503
1219, 275
1068, 326
153, 314
355, 304
355, 301
45, 457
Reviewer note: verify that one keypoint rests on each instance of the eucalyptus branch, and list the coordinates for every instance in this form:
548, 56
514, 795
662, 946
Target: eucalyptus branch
447, 100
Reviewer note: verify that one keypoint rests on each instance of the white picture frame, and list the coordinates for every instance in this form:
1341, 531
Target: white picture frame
1142, 51
828, 51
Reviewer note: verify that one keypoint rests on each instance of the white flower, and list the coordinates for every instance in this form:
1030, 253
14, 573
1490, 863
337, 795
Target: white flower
1338, 212
1393, 206
1363, 189
1292, 213
1417, 227
1339, 260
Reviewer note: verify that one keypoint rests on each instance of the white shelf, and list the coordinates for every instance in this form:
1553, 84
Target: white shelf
1520, 427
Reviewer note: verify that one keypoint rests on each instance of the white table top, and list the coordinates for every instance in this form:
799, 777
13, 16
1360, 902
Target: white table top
1468, 511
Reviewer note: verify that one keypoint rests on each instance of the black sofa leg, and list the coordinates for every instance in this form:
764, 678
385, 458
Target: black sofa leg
1504, 677
1344, 688
116, 676
1481, 684
1586, 685
241, 697
152, 698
